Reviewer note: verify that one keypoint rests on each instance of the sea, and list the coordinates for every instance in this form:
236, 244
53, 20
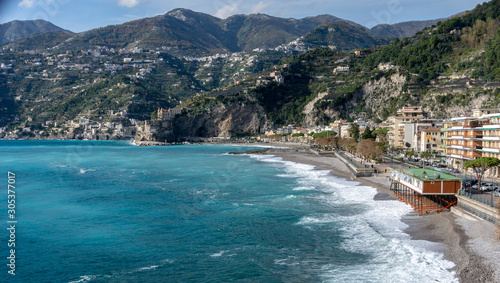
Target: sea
109, 211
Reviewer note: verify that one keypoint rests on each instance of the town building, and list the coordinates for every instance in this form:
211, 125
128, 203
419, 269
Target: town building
396, 124
432, 140
468, 138
168, 114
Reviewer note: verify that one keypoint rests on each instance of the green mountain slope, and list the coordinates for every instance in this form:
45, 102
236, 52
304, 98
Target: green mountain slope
404, 29
448, 69
185, 32
343, 36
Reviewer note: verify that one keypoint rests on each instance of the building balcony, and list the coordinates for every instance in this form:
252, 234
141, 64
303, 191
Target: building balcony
491, 138
491, 150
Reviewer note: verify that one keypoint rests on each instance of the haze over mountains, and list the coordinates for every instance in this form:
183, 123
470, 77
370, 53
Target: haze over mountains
199, 33
18, 29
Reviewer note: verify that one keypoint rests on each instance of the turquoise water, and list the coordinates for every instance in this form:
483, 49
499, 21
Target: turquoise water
92, 211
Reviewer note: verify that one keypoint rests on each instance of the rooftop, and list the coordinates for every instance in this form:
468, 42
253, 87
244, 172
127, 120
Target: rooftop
417, 173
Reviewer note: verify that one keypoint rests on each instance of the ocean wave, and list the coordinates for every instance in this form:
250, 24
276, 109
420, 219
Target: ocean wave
320, 219
368, 227
221, 253
87, 278
146, 268
305, 188
83, 170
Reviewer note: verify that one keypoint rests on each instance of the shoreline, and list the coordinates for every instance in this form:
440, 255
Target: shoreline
464, 239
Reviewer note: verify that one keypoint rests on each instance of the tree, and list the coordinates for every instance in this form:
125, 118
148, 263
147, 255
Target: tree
354, 131
367, 134
381, 134
425, 156
369, 149
480, 165
325, 134
347, 144
410, 153
326, 138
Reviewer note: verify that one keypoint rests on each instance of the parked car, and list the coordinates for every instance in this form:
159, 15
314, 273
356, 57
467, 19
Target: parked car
476, 185
486, 187
468, 182
496, 192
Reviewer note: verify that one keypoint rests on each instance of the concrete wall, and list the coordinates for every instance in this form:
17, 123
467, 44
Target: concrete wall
481, 210
358, 172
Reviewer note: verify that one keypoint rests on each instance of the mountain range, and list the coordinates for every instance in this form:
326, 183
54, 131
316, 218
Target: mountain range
197, 33
18, 29
127, 72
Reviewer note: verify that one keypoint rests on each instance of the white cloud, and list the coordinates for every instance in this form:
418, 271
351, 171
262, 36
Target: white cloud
261, 6
27, 3
128, 3
227, 11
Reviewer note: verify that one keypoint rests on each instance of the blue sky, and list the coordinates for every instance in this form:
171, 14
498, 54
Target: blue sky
81, 15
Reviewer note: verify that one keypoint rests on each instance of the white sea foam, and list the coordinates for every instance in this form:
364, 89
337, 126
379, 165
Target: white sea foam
369, 227
218, 254
305, 188
258, 145
221, 253
85, 278
105, 278
290, 261
319, 219
83, 170
152, 267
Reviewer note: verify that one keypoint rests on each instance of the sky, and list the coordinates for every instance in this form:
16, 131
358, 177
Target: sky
82, 15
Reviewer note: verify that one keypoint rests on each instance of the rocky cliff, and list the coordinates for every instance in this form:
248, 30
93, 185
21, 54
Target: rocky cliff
222, 120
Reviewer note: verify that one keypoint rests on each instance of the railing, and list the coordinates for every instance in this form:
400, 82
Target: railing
486, 201
348, 159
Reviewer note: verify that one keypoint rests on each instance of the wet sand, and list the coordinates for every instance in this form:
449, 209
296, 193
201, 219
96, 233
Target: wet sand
468, 241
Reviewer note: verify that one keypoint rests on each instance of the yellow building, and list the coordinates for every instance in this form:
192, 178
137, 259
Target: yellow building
431, 139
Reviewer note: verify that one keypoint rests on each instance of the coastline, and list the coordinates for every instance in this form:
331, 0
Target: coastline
464, 239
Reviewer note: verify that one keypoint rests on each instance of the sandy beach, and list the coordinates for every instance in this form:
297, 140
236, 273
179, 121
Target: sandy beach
468, 241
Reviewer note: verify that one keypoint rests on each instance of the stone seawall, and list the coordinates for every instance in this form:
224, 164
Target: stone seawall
479, 209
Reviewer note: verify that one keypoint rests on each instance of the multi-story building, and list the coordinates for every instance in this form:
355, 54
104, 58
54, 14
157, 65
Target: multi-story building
463, 139
491, 139
413, 132
405, 115
468, 138
344, 130
431, 140
168, 114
